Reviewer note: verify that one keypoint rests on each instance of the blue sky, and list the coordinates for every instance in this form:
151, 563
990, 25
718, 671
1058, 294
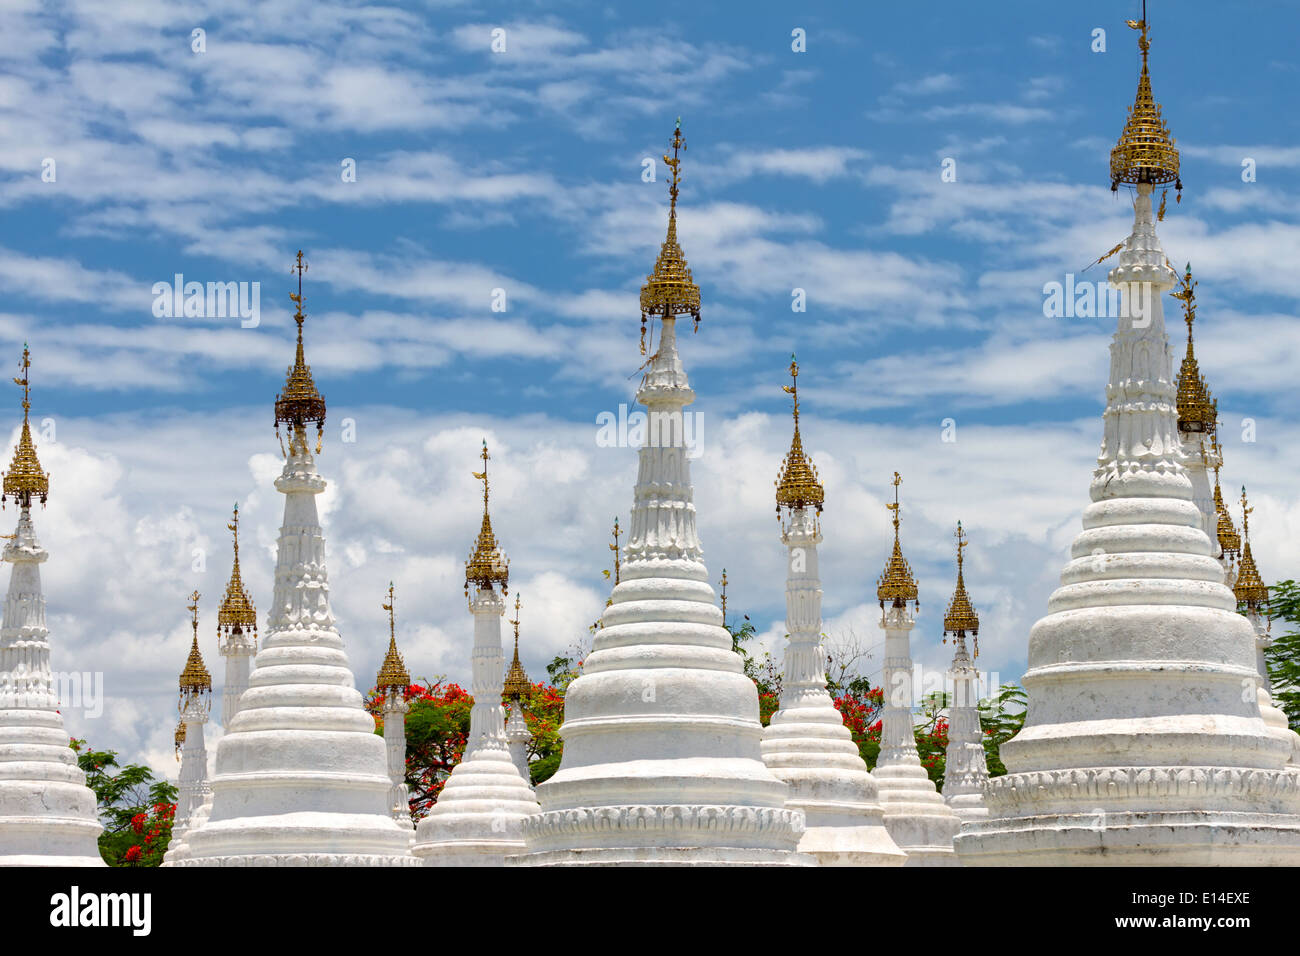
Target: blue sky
522, 171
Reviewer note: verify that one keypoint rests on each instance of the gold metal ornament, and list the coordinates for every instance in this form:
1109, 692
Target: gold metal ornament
896, 585
961, 617
670, 290
25, 478
516, 684
1250, 590
1145, 152
236, 615
797, 485
487, 565
195, 681
393, 677
299, 403
1197, 411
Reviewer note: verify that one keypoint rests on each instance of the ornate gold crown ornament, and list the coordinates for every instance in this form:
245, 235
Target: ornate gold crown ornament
1226, 531
1250, 590
393, 677
896, 585
796, 483
236, 614
300, 402
487, 565
670, 290
1197, 412
517, 684
1145, 153
25, 478
195, 681
961, 617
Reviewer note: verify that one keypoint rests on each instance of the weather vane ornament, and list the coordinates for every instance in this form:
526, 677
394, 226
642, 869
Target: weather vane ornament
487, 565
1145, 153
797, 485
516, 683
961, 618
896, 585
195, 681
25, 478
670, 290
300, 403
393, 677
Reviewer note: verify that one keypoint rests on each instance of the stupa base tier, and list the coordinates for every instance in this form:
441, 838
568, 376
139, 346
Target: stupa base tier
969, 807
1174, 838
316, 837
302, 859
468, 852
49, 841
869, 845
672, 835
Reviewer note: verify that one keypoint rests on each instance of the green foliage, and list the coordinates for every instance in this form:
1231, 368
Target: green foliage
1001, 718
135, 808
1283, 658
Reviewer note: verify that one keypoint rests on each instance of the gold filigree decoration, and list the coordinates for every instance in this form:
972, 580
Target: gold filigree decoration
195, 679
1145, 153
236, 614
896, 585
300, 402
1226, 531
670, 290
1250, 589
516, 684
393, 677
487, 565
961, 617
797, 485
179, 737
25, 478
1198, 413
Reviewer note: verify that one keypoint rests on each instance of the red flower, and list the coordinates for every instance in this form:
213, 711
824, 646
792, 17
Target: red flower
132, 854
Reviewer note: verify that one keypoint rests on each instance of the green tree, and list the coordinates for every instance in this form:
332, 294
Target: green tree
1283, 658
135, 808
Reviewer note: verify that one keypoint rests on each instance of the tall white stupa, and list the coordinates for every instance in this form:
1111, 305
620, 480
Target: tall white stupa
195, 705
965, 767
806, 744
392, 683
301, 777
479, 817
48, 815
1139, 745
516, 688
917, 817
236, 633
662, 761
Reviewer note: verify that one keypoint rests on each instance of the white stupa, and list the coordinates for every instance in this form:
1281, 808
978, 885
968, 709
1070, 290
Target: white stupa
479, 817
393, 682
47, 813
806, 743
661, 733
301, 777
236, 634
516, 688
965, 767
193, 790
917, 817
1139, 745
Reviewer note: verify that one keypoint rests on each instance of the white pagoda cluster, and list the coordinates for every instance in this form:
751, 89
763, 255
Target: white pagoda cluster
48, 815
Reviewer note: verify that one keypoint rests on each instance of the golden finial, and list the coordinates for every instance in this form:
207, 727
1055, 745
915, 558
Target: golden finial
1145, 153
486, 565
617, 553
1226, 531
25, 478
1197, 412
516, 684
896, 584
961, 617
179, 737
796, 483
300, 402
236, 615
670, 290
723, 582
195, 679
1250, 590
393, 677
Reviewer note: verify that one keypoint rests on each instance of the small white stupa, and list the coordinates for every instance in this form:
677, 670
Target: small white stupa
47, 813
1139, 746
917, 817
662, 763
301, 777
965, 768
517, 687
195, 706
236, 634
479, 816
806, 743
393, 683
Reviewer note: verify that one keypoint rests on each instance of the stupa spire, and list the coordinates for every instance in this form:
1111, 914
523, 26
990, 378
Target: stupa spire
300, 403
961, 617
236, 631
194, 706
487, 565
669, 290
897, 586
1226, 531
516, 684
965, 765
393, 677
392, 682
1145, 153
25, 479
1197, 411
1250, 590
517, 687
797, 485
